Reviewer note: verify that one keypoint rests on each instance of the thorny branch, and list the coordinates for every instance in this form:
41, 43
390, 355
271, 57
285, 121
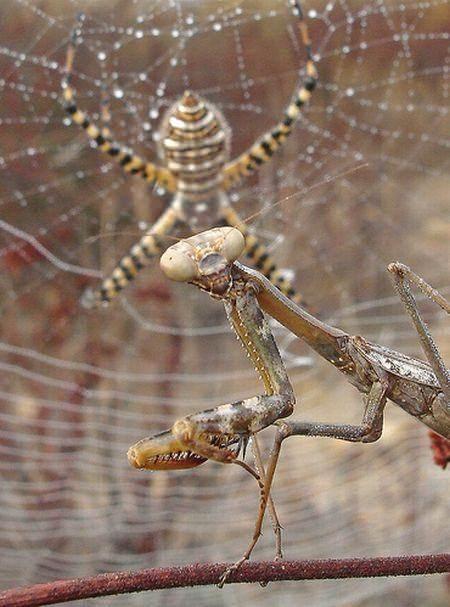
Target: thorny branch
201, 574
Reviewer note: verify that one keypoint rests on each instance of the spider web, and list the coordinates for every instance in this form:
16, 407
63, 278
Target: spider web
79, 387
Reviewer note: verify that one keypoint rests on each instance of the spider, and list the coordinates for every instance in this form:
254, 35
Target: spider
195, 146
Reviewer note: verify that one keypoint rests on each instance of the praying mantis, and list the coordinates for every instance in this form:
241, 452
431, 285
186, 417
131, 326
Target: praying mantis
422, 389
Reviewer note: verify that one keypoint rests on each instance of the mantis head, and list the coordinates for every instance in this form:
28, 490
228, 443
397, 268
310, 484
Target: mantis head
205, 259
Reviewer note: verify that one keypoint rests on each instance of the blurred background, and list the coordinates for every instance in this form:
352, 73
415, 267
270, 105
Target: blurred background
78, 387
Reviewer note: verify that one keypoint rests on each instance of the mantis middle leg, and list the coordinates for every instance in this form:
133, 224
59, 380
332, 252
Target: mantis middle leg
369, 430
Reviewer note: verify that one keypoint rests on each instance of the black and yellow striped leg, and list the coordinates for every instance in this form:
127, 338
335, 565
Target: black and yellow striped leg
105, 113
264, 148
130, 162
152, 244
260, 257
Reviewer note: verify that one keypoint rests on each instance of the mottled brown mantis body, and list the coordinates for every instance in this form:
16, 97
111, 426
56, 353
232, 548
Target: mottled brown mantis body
421, 389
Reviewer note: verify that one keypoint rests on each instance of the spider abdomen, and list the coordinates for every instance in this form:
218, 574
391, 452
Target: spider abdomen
195, 142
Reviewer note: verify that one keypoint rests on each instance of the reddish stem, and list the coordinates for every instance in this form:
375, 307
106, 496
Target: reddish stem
201, 574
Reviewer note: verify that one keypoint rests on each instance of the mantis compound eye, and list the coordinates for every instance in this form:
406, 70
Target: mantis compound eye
177, 264
233, 244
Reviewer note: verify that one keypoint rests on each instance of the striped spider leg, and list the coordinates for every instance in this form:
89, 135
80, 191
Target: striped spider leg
210, 434
196, 170
379, 373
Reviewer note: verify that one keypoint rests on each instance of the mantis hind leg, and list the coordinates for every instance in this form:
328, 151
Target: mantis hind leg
403, 277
